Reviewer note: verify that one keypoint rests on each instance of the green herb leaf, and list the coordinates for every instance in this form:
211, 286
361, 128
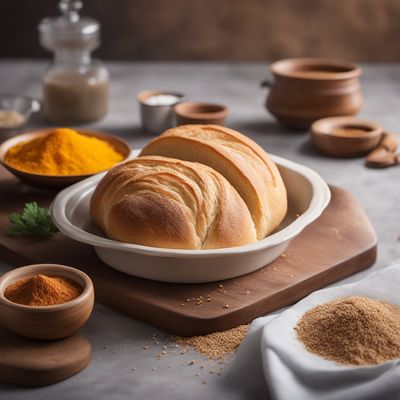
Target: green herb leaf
32, 221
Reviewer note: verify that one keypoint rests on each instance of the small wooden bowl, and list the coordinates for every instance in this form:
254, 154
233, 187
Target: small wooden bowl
46, 322
200, 113
329, 136
56, 181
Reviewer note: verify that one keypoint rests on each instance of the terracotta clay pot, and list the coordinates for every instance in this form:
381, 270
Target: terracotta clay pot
307, 89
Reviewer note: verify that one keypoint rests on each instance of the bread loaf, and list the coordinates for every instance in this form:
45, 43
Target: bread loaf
164, 202
240, 160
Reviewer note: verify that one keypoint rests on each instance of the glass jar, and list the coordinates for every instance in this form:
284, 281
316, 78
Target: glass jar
75, 87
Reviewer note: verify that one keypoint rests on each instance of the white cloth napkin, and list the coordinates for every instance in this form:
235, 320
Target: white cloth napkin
291, 372
294, 373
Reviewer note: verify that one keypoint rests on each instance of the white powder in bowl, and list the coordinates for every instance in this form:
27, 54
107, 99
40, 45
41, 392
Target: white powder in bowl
162, 100
11, 119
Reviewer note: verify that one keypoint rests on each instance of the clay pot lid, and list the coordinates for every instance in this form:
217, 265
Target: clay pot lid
315, 68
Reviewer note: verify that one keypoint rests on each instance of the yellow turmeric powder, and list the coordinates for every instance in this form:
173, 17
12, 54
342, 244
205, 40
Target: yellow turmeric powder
63, 152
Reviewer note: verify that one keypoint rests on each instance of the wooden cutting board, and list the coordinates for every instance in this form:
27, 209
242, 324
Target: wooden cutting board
27, 362
340, 243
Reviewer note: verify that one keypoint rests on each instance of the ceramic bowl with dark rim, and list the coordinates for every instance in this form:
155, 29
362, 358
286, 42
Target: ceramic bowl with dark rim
57, 181
46, 322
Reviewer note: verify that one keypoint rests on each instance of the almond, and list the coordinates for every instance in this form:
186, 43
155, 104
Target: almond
389, 141
380, 157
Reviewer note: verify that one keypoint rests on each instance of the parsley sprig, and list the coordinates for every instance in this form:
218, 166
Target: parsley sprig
32, 221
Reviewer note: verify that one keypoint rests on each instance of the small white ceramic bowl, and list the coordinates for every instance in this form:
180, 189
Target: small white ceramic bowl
308, 195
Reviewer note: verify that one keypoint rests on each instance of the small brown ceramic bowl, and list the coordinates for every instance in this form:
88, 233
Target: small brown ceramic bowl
200, 113
46, 322
56, 181
345, 136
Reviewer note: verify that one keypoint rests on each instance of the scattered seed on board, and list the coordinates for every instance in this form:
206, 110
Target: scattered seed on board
215, 345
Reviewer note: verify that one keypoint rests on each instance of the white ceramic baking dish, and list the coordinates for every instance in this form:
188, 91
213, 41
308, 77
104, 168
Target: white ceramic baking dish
308, 195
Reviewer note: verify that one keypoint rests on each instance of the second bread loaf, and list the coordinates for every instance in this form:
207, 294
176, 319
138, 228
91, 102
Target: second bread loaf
240, 160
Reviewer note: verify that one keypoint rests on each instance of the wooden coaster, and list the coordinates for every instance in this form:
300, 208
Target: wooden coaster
27, 362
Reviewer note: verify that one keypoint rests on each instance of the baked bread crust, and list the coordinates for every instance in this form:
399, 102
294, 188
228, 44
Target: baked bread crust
239, 159
165, 202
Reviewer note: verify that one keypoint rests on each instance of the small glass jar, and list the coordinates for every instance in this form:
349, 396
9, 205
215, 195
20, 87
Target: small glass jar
75, 87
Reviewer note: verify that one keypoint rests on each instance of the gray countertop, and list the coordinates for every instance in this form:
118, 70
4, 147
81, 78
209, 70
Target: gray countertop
121, 368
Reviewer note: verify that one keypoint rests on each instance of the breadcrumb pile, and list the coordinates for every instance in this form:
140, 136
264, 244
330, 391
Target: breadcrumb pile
215, 345
353, 330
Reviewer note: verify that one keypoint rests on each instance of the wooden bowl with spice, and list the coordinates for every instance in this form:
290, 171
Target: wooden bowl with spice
58, 157
45, 301
345, 136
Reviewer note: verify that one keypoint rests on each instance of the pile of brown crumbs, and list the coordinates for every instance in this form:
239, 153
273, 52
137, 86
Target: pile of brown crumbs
353, 330
215, 345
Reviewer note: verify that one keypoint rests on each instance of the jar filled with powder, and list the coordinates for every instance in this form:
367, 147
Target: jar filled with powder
75, 88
